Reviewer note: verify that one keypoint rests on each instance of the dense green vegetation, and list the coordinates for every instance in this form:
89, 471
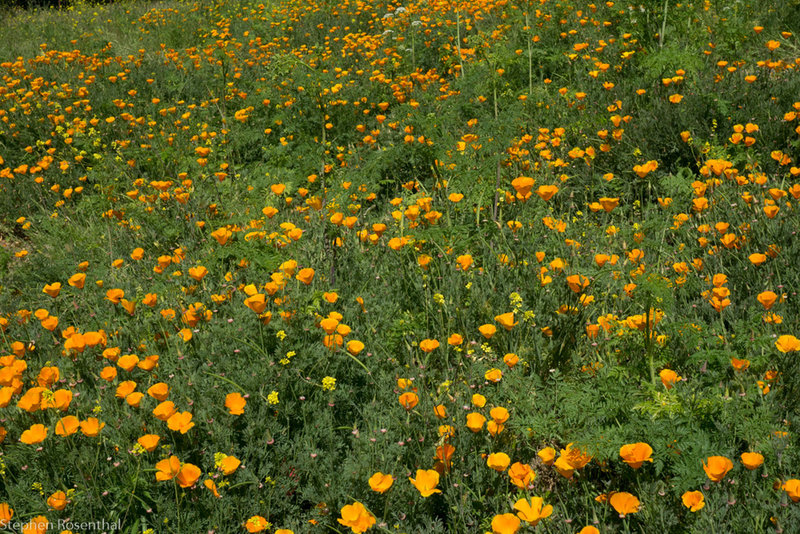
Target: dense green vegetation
400, 267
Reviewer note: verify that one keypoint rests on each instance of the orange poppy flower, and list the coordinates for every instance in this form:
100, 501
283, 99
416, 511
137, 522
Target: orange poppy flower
767, 299
235, 403
77, 280
256, 524
6, 513
134, 399
547, 455
428, 345
128, 362
635, 454
125, 388
57, 501
487, 330
256, 302
115, 295
198, 273
159, 391
498, 461
475, 421
164, 410
222, 235
505, 524
521, 475
624, 503
493, 375
426, 482
499, 415
408, 400
693, 500
180, 422
52, 290
532, 511
357, 517
546, 192
229, 465
464, 261
188, 475
380, 483
212, 487
149, 442
37, 525
752, 460
506, 320
787, 344
716, 467
306, 275
511, 359
91, 427
168, 468
68, 425
792, 489
35, 434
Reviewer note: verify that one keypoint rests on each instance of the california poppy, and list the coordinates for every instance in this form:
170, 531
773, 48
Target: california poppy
669, 378
792, 489
188, 475
380, 482
91, 427
787, 344
547, 455
716, 467
235, 403
752, 460
357, 517
37, 525
498, 461
6, 513
68, 425
57, 501
506, 320
635, 454
35, 434
532, 511
464, 261
499, 414
624, 503
180, 422
475, 421
408, 400
159, 391
256, 524
521, 474
693, 500
493, 375
164, 410
505, 524
229, 464
546, 192
306, 275
149, 442
426, 482
428, 345
487, 330
52, 290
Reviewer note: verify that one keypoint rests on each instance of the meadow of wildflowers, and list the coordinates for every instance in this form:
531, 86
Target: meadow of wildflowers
412, 267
